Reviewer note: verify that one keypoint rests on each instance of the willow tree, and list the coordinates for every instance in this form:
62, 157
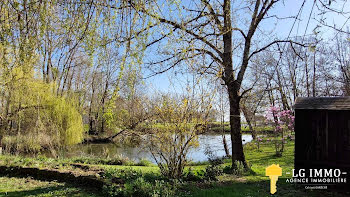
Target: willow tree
212, 34
30, 103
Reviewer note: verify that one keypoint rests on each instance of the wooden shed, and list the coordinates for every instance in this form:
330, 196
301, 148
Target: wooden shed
322, 133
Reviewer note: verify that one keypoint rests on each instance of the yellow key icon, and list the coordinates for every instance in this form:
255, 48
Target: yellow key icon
273, 171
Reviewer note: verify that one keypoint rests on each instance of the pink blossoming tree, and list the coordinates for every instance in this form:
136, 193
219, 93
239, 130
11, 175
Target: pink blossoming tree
282, 120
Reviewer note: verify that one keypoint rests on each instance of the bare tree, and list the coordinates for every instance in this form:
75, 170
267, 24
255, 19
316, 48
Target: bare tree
204, 30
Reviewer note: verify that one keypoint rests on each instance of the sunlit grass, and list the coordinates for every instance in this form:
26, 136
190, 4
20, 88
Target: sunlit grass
258, 185
250, 184
17, 187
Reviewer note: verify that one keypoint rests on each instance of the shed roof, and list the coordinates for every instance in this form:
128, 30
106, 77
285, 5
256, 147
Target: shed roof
330, 103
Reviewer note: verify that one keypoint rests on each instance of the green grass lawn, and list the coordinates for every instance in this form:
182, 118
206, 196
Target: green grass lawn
259, 189
258, 184
18, 187
250, 184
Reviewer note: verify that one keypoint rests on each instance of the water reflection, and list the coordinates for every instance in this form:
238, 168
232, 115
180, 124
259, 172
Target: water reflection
213, 142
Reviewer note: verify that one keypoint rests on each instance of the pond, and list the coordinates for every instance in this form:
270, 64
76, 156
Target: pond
213, 142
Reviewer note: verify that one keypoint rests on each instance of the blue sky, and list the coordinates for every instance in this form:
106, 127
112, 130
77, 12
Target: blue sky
168, 82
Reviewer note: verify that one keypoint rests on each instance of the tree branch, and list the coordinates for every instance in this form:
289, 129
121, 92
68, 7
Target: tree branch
214, 15
182, 27
275, 42
210, 54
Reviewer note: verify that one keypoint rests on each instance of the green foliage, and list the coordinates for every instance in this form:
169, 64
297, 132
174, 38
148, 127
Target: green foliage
117, 176
137, 183
26, 143
214, 168
44, 120
250, 146
123, 174
67, 120
115, 118
194, 175
216, 127
239, 168
212, 171
98, 161
138, 187
141, 187
181, 124
144, 162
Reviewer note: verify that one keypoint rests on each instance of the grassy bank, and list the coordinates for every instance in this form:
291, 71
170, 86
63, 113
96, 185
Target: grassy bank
216, 128
148, 178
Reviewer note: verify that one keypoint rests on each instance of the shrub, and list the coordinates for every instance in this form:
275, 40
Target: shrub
125, 175
41, 119
113, 190
212, 171
196, 176
137, 184
117, 160
138, 187
28, 143
250, 146
182, 123
214, 168
144, 162
239, 170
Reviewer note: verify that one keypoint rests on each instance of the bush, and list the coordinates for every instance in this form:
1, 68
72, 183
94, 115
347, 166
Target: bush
250, 146
214, 168
139, 187
117, 160
137, 184
196, 176
40, 118
112, 190
182, 123
144, 162
239, 170
28, 143
212, 171
121, 174
227, 170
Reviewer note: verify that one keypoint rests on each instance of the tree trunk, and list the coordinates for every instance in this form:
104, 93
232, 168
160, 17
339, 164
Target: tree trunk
227, 152
103, 101
235, 123
307, 77
283, 96
249, 121
233, 86
92, 123
314, 78
1, 133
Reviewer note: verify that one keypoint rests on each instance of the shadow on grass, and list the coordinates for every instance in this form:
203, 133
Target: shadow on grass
36, 191
261, 189
66, 189
52, 175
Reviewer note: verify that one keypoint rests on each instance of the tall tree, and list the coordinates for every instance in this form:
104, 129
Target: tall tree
204, 30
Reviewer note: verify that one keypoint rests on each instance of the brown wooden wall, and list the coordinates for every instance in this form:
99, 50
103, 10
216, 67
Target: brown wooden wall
322, 137
322, 141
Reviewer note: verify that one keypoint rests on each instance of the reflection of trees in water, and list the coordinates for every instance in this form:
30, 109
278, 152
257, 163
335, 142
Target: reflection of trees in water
111, 150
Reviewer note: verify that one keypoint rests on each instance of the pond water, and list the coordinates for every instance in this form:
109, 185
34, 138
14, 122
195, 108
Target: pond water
213, 142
